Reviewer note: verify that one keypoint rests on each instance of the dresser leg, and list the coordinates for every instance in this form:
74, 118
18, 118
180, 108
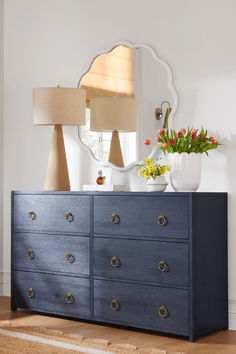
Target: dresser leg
13, 307
192, 338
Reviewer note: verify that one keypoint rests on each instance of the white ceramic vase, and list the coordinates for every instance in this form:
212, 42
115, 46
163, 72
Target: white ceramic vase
158, 184
185, 171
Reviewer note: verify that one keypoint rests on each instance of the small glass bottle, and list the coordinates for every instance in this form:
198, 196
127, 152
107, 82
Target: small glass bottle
100, 179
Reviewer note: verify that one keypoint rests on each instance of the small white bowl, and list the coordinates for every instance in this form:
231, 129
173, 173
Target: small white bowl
158, 184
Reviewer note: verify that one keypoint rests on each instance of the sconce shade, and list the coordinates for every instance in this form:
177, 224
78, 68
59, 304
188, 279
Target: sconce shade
113, 113
59, 106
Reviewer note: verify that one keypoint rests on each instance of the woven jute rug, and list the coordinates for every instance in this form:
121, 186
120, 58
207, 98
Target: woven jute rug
15, 339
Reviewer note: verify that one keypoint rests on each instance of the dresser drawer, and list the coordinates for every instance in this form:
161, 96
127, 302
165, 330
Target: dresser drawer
142, 261
139, 215
142, 305
53, 253
53, 293
50, 213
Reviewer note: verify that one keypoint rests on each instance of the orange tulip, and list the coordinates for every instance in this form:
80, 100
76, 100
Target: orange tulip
194, 134
193, 131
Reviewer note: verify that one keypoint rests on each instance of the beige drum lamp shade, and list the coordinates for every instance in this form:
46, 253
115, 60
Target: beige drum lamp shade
58, 106
114, 114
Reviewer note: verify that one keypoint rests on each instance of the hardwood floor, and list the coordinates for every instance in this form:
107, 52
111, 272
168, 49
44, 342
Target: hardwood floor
221, 342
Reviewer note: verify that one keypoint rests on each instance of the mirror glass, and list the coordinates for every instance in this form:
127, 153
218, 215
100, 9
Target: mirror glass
124, 86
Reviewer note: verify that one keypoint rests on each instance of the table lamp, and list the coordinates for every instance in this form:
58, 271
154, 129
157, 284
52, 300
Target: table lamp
113, 114
58, 106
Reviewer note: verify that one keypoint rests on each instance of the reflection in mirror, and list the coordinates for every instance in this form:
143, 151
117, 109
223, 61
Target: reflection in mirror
123, 89
110, 102
115, 114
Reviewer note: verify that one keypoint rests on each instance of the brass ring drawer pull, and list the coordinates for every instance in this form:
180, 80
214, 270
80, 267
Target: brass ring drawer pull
31, 293
69, 217
30, 254
162, 220
162, 266
115, 262
69, 298
70, 258
115, 219
114, 305
162, 312
32, 215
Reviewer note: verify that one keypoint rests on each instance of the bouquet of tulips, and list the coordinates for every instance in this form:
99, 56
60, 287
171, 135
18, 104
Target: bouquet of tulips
188, 141
152, 169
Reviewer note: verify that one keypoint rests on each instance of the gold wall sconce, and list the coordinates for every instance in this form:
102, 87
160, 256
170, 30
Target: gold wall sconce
159, 113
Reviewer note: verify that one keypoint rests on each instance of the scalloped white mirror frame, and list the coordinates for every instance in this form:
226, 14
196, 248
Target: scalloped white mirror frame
171, 87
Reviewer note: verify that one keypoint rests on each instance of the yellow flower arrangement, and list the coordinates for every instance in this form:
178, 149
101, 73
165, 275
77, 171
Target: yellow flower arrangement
152, 169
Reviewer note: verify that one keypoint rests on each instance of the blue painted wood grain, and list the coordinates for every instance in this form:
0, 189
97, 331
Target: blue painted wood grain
138, 260
138, 216
193, 244
50, 213
209, 264
50, 253
139, 304
50, 293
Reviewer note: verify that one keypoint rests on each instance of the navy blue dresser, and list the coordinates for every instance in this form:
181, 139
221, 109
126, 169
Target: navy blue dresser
154, 261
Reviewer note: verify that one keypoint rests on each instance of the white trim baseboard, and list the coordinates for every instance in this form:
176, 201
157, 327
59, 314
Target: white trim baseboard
232, 314
6, 284
1, 283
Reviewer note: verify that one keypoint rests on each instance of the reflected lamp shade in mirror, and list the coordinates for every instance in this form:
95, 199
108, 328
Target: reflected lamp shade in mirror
114, 114
58, 106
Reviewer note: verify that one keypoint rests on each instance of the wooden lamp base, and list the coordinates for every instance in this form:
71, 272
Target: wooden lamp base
115, 155
57, 178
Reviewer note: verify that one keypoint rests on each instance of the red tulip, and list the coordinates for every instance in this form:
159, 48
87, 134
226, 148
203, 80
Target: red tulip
158, 139
161, 131
183, 130
165, 145
147, 142
172, 142
202, 137
211, 138
179, 135
214, 141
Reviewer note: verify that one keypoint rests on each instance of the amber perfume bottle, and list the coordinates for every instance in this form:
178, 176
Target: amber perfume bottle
100, 179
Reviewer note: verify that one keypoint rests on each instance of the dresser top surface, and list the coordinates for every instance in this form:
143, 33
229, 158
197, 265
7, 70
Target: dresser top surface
127, 193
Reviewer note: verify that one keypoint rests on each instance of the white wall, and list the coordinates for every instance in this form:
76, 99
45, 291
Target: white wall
50, 42
1, 145
155, 88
